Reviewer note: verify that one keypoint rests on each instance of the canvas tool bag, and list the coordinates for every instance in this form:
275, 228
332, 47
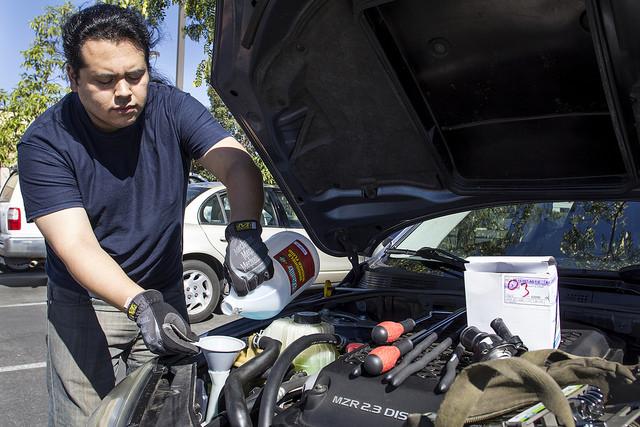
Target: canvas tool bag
486, 390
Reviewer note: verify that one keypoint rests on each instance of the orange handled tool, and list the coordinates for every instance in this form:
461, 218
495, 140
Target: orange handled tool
387, 332
383, 358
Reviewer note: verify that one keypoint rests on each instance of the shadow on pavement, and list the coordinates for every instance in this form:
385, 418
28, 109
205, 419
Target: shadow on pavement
31, 279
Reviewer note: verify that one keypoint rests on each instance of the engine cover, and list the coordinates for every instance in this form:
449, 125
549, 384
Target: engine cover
338, 399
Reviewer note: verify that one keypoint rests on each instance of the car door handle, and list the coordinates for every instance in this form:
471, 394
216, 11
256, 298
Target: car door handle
222, 239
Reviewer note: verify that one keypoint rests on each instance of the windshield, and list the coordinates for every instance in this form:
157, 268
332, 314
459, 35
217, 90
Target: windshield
8, 188
579, 235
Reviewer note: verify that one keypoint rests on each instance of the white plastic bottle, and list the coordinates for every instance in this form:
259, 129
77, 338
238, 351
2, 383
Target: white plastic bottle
295, 267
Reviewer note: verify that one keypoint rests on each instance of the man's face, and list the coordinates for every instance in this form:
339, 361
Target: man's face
112, 85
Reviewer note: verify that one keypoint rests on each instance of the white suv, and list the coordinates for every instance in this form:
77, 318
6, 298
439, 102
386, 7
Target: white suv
21, 243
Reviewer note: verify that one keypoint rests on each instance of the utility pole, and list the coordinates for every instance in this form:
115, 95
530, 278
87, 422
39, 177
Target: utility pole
180, 48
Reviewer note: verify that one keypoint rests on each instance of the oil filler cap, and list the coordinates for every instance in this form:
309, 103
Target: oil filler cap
307, 318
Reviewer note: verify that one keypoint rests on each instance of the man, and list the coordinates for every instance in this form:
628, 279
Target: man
104, 174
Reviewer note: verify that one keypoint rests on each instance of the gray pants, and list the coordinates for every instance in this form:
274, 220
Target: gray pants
90, 347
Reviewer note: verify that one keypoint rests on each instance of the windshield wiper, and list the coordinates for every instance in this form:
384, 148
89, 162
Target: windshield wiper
627, 279
443, 258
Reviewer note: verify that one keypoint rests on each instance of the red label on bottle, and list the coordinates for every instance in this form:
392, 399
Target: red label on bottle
298, 263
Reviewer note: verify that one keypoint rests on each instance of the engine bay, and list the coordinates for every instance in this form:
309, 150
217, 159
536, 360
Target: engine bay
347, 391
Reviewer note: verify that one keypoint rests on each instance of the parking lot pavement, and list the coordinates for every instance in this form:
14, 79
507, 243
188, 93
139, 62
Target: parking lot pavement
29, 279
23, 392
23, 288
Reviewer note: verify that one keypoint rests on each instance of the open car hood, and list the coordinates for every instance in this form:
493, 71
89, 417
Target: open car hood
373, 114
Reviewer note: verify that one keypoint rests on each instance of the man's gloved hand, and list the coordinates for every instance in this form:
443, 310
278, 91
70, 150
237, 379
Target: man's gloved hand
247, 262
163, 330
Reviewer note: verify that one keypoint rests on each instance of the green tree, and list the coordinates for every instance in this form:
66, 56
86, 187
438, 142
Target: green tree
154, 11
200, 27
41, 82
600, 235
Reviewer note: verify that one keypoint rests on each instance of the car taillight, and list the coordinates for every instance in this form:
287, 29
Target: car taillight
13, 219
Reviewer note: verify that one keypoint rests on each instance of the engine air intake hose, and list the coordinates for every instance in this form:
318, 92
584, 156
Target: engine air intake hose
280, 368
236, 405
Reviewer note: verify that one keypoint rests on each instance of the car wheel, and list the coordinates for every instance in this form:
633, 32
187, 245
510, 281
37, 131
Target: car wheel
201, 289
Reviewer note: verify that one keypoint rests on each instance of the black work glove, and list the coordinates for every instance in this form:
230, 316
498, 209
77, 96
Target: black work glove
247, 262
163, 330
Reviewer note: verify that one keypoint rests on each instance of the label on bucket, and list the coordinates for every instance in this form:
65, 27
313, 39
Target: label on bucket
298, 263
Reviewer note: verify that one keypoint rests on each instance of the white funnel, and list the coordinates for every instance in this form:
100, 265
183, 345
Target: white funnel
220, 352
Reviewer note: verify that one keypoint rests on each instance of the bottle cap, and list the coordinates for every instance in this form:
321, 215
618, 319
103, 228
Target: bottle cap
307, 318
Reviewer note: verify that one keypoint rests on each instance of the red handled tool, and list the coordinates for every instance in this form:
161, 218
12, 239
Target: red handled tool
387, 332
381, 359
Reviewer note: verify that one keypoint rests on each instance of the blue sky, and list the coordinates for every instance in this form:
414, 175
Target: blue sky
15, 36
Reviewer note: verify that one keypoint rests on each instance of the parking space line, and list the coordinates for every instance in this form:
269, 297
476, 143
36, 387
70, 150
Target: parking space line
26, 304
23, 367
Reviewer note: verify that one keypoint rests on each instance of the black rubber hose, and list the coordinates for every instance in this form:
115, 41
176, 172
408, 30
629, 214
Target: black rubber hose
236, 405
280, 368
417, 366
444, 323
411, 356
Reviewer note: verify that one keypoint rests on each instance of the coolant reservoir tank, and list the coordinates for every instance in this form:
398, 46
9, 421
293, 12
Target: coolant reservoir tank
295, 267
318, 356
287, 330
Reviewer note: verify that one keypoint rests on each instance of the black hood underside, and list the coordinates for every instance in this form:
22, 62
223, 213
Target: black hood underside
374, 114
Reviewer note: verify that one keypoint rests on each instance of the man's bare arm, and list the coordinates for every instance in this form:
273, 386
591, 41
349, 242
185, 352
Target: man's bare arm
231, 164
247, 262
70, 235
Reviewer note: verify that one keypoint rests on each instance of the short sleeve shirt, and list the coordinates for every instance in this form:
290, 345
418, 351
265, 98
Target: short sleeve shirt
132, 182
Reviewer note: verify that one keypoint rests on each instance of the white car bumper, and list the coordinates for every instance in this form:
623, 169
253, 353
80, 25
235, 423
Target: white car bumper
22, 247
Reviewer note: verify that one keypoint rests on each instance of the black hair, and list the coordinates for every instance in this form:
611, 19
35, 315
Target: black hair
106, 22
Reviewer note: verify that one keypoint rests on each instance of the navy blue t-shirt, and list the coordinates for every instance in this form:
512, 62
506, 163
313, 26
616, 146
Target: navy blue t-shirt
131, 182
